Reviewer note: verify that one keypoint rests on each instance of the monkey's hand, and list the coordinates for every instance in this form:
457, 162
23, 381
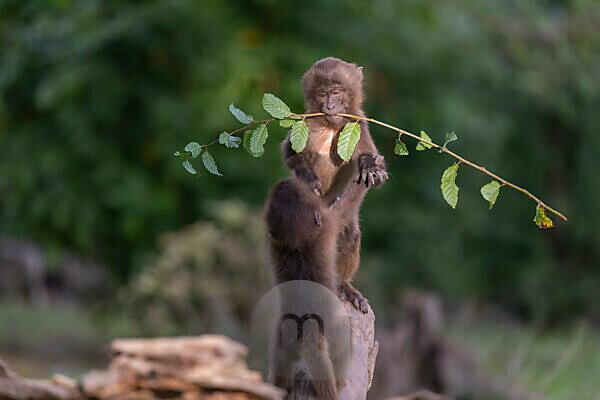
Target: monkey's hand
371, 170
305, 173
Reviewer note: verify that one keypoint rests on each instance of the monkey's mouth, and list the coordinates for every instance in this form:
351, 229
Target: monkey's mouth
332, 113
331, 116
335, 121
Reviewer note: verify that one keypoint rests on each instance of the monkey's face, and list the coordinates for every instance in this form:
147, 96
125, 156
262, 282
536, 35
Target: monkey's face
333, 86
333, 99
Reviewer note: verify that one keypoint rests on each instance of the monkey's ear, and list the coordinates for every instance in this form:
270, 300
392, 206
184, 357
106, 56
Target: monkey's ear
360, 71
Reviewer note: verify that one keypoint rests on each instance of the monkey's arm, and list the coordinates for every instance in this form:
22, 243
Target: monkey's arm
372, 170
300, 164
367, 162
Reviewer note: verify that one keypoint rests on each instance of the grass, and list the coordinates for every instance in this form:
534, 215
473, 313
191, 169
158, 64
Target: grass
559, 365
42, 340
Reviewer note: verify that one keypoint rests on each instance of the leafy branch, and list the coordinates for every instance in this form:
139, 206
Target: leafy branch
255, 134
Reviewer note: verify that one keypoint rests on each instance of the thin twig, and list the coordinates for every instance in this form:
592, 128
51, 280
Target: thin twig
452, 154
443, 149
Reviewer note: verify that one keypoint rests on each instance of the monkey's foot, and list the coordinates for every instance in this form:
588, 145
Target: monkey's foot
371, 170
354, 297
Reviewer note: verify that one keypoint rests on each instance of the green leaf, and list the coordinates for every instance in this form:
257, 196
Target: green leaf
286, 123
348, 140
246, 143
274, 106
224, 137
230, 141
490, 192
210, 164
189, 167
450, 137
299, 136
240, 115
541, 219
193, 148
421, 146
400, 148
255, 140
448, 186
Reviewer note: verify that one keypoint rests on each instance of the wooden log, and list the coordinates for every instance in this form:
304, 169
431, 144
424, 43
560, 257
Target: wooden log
182, 367
14, 387
209, 367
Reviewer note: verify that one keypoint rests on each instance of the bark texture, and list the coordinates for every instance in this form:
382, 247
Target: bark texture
364, 353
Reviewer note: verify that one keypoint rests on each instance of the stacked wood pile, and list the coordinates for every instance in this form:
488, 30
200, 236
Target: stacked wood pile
209, 367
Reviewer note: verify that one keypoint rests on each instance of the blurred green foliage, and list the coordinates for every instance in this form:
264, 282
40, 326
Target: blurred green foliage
96, 95
200, 280
528, 358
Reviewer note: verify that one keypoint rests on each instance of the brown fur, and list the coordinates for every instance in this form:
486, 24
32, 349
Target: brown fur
313, 217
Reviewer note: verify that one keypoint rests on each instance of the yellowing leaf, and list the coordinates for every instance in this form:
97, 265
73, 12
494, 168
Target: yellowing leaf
448, 185
348, 140
490, 192
541, 219
299, 136
421, 146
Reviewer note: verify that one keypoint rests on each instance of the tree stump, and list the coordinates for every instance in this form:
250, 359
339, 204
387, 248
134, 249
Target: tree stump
361, 365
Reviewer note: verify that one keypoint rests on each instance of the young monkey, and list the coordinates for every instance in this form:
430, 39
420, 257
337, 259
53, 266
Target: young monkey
313, 217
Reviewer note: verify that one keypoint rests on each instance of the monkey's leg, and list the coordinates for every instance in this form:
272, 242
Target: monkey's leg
348, 261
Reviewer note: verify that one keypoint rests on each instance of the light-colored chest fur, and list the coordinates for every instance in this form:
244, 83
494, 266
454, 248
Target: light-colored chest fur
322, 142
